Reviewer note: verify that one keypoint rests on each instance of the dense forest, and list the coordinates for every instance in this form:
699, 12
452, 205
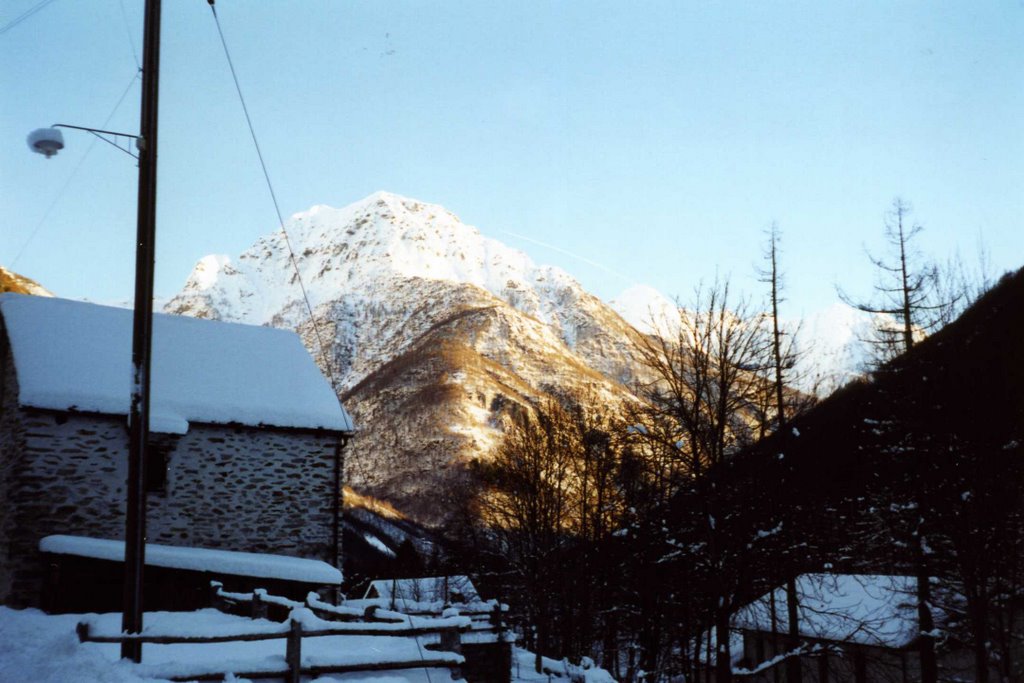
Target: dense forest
635, 537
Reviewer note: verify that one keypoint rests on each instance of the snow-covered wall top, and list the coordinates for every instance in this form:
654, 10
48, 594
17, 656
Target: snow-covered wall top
71, 355
227, 562
457, 588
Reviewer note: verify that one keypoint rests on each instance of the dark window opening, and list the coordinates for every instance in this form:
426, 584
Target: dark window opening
157, 461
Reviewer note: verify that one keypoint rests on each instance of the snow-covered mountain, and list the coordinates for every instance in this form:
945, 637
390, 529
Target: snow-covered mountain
432, 331
833, 347
830, 343
648, 310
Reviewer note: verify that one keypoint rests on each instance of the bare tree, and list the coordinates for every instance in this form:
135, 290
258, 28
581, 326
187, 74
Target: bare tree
697, 412
782, 360
552, 502
526, 505
907, 292
908, 302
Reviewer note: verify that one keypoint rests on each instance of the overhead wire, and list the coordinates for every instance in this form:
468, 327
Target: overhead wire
128, 31
25, 15
277, 208
74, 173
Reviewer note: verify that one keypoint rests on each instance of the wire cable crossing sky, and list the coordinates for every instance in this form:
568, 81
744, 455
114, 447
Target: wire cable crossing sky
655, 141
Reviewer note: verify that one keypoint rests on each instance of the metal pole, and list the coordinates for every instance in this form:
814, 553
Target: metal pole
142, 337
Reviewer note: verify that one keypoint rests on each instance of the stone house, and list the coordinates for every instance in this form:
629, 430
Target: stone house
245, 449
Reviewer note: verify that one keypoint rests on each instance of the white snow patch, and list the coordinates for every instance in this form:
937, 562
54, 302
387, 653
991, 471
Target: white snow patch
378, 544
227, 562
205, 273
71, 355
648, 310
870, 609
43, 648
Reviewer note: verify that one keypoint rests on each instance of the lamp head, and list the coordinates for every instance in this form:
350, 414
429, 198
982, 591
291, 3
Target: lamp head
46, 141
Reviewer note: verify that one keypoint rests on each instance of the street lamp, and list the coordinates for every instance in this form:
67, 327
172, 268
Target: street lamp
49, 141
46, 141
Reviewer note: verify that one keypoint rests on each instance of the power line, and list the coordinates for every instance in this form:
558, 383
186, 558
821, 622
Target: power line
128, 30
25, 15
273, 197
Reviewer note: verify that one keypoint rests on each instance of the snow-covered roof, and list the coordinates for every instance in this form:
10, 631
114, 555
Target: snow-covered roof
870, 609
225, 562
426, 589
71, 355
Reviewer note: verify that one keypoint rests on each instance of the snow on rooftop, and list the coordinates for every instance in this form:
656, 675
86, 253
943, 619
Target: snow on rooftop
426, 589
870, 609
226, 562
71, 355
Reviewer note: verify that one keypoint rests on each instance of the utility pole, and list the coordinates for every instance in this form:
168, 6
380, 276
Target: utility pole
142, 337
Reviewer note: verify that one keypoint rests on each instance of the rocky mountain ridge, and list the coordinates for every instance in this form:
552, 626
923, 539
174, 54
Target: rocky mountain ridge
431, 332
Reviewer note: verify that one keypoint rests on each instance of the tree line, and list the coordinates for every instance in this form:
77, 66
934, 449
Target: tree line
633, 536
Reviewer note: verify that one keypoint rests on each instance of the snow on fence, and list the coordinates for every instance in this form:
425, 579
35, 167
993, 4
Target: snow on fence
487, 618
302, 623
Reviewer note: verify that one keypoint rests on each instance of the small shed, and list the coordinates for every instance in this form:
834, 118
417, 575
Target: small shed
853, 627
487, 646
245, 450
177, 578
424, 594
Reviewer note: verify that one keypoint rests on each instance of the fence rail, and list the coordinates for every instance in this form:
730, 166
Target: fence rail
447, 630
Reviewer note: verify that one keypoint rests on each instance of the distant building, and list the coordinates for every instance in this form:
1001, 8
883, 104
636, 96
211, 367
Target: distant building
487, 646
855, 628
246, 438
425, 594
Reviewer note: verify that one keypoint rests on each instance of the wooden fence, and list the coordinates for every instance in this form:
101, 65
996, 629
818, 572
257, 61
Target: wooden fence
374, 622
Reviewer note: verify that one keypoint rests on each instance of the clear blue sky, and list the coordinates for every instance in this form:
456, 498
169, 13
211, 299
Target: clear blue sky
656, 138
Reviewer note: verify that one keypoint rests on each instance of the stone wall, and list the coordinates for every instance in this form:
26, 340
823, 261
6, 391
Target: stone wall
228, 487
11, 443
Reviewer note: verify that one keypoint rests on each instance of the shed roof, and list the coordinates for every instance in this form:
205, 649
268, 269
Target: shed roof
870, 609
225, 562
71, 355
425, 589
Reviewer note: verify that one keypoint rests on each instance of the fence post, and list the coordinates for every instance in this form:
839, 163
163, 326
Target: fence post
451, 641
82, 629
216, 600
259, 608
503, 647
293, 652
496, 619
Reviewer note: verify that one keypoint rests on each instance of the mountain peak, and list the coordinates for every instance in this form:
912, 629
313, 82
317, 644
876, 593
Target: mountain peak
394, 208
355, 251
647, 309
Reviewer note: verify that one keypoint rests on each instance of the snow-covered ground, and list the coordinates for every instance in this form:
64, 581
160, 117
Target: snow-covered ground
43, 648
524, 663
